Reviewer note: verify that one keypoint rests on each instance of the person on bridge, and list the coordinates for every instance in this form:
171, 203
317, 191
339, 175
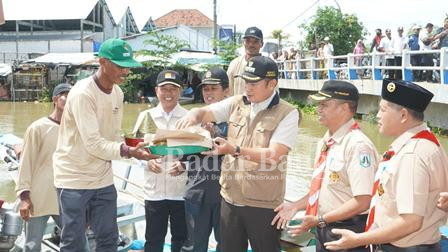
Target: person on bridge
346, 161
262, 130
252, 42
89, 138
38, 198
403, 213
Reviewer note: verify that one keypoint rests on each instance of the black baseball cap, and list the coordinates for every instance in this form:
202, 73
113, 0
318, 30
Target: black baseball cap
215, 76
253, 32
258, 68
169, 77
337, 89
61, 88
406, 94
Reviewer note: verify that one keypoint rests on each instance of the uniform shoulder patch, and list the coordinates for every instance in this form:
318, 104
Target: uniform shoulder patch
365, 160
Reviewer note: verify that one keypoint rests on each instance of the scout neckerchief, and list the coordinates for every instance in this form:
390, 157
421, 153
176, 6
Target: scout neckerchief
318, 175
378, 187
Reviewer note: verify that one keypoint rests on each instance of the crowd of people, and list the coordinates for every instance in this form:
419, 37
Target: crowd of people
391, 45
237, 188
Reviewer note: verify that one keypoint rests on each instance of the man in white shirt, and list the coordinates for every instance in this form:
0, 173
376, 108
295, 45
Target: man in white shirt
387, 47
399, 43
425, 40
165, 179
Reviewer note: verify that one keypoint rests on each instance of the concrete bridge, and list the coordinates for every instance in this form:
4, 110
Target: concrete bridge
299, 78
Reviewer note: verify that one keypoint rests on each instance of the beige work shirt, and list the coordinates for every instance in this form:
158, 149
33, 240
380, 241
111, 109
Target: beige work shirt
89, 137
236, 67
412, 180
36, 167
350, 167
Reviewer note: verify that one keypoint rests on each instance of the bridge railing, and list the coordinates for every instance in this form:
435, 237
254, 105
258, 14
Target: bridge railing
373, 66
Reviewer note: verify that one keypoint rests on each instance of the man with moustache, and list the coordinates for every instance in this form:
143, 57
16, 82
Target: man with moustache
88, 139
345, 166
403, 213
262, 130
252, 41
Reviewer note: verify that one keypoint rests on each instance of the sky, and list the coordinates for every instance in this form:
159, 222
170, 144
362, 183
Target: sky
286, 14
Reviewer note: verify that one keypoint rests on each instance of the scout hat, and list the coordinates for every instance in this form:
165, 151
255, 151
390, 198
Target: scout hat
337, 89
215, 76
61, 88
406, 94
169, 77
253, 32
119, 52
258, 68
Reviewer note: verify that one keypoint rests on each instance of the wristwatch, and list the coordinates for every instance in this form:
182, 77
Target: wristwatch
237, 151
321, 222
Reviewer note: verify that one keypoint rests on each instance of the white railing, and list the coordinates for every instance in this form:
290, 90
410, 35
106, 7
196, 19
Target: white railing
375, 66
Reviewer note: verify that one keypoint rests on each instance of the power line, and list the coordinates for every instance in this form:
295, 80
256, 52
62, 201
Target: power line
301, 14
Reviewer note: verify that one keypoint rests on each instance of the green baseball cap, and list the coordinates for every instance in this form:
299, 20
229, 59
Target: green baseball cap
119, 52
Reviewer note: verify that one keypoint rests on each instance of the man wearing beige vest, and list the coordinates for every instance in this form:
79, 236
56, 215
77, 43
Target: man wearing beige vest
403, 214
252, 42
262, 130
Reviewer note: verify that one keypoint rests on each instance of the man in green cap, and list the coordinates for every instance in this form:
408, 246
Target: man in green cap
88, 139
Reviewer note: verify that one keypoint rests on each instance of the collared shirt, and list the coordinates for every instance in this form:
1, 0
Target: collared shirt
285, 133
350, 167
413, 42
236, 67
257, 107
411, 182
424, 35
399, 43
36, 166
162, 186
386, 44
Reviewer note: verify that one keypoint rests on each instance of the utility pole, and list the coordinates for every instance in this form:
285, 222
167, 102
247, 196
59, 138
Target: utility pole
215, 28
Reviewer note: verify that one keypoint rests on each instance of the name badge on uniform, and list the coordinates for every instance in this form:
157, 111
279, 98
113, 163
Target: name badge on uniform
334, 177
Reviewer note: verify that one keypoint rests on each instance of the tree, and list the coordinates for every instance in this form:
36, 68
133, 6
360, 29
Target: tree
279, 35
162, 48
342, 29
227, 50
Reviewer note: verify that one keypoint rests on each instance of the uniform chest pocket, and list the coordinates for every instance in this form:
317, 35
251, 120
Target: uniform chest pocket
263, 133
335, 172
236, 123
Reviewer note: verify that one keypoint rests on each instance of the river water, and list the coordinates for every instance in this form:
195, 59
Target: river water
15, 118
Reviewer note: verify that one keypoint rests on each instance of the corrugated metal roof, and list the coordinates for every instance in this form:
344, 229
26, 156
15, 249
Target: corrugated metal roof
47, 9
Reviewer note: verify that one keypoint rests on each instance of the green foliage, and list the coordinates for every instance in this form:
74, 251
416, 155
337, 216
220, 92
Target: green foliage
279, 35
227, 51
310, 109
164, 46
47, 92
159, 58
342, 29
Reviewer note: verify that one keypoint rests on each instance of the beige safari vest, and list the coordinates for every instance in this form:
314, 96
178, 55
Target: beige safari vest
248, 183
